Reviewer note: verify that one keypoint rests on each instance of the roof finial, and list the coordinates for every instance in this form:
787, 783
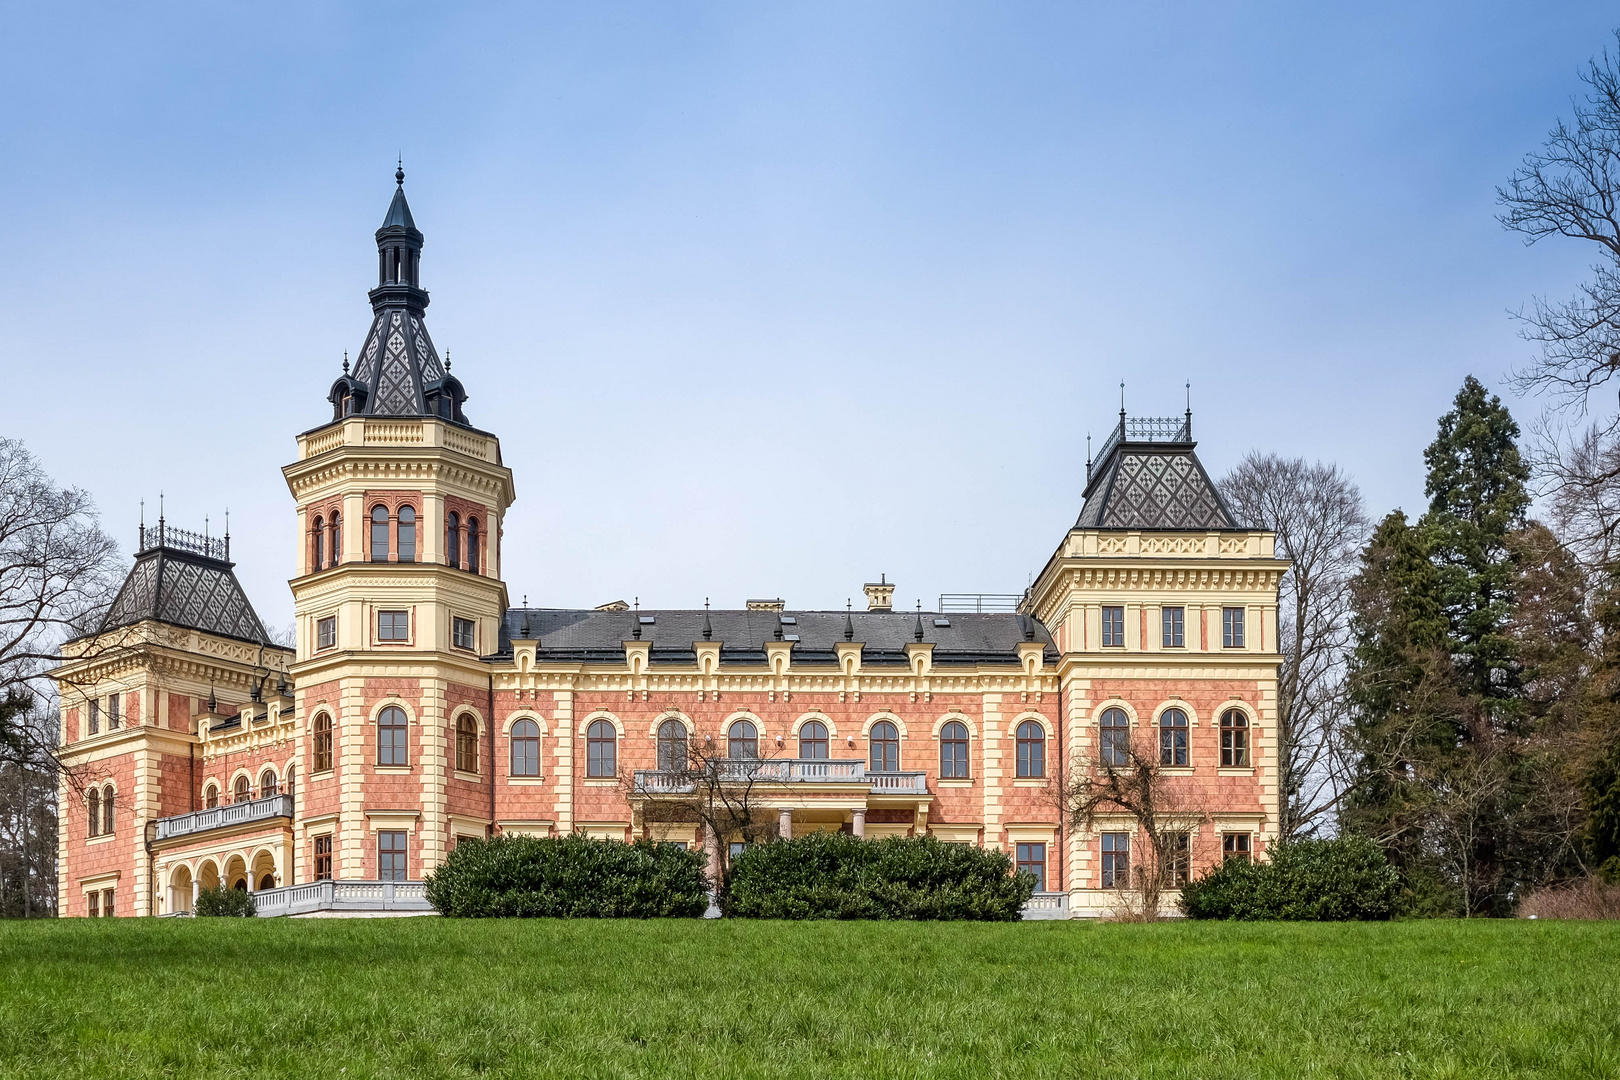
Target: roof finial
636, 633
708, 631
918, 632
1188, 432
1122, 401
227, 533
849, 621
399, 171
447, 361
213, 705
143, 524
345, 361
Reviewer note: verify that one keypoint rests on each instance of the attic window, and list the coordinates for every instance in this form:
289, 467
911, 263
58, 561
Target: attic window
648, 620
790, 637
942, 622
790, 620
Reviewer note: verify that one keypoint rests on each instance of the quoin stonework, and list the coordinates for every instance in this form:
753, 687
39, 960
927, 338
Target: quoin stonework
419, 707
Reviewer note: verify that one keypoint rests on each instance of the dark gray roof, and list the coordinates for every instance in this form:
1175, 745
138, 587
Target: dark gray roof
1153, 485
567, 634
399, 211
185, 589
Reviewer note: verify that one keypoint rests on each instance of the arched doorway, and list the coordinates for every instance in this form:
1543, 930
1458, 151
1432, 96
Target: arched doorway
180, 889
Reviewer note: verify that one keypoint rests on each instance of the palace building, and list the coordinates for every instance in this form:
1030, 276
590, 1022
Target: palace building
418, 707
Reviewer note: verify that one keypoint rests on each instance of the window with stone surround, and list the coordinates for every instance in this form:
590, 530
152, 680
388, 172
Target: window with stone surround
1234, 739
813, 740
379, 534
1177, 860
107, 810
462, 633
95, 716
392, 860
1116, 860
393, 626
1114, 740
391, 732
1031, 750
466, 744
210, 797
601, 749
1032, 860
407, 534
526, 748
322, 743
1113, 627
323, 858
1235, 846
1232, 627
953, 751
326, 632
885, 743
742, 741
92, 804
1173, 738
1173, 623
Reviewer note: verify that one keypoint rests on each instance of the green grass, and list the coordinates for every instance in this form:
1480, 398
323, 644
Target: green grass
342, 1000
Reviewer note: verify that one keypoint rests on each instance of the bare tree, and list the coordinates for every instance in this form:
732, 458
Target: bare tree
1321, 525
699, 783
1164, 812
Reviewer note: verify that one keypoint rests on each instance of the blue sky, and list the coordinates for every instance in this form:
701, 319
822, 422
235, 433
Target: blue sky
766, 299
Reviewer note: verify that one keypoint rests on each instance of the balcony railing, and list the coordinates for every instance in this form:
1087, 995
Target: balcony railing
220, 817
782, 771
401, 896
1047, 905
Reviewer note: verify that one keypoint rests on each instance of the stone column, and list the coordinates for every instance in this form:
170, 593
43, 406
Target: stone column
784, 823
860, 822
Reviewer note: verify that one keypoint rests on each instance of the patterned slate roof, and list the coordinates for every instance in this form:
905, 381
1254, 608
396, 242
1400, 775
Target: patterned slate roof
188, 590
589, 635
1153, 486
396, 362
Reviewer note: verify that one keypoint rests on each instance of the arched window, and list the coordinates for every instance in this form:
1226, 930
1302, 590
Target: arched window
287, 788
107, 810
379, 534
472, 544
337, 538
1031, 749
92, 803
452, 539
407, 534
742, 741
601, 749
885, 742
318, 557
953, 751
323, 743
525, 748
210, 797
1172, 737
813, 740
672, 746
391, 737
466, 743
1234, 738
1115, 744
244, 789
268, 785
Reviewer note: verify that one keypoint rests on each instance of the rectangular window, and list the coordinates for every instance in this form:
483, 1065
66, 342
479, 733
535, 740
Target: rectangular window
1232, 627
736, 848
326, 633
393, 626
1113, 627
106, 903
461, 633
323, 858
92, 904
95, 717
1032, 860
1174, 628
112, 711
1235, 846
1116, 860
391, 855
1177, 860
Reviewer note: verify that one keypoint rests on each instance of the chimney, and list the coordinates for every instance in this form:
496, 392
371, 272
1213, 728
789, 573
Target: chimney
879, 595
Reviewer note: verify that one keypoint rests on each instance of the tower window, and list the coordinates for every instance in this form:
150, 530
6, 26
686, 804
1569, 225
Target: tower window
462, 633
472, 544
323, 743
112, 711
391, 728
466, 744
326, 632
452, 539
407, 534
337, 538
95, 716
379, 534
318, 556
1113, 627
393, 626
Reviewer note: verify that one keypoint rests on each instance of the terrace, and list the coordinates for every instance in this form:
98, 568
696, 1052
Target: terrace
782, 771
220, 817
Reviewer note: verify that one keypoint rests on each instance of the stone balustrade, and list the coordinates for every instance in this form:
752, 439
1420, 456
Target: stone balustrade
343, 896
219, 817
784, 771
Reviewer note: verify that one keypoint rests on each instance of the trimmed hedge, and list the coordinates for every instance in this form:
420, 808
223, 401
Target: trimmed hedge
220, 901
571, 877
836, 876
1309, 880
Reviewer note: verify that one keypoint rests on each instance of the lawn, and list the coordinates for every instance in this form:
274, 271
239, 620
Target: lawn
441, 998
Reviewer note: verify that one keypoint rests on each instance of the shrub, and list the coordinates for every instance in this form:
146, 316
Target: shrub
835, 876
1589, 899
236, 903
1308, 880
572, 877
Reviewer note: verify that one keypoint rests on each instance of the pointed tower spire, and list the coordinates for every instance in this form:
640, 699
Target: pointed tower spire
397, 371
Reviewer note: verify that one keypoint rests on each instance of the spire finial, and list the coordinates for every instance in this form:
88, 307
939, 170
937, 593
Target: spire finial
636, 632
1122, 401
447, 361
849, 621
918, 632
708, 631
399, 171
345, 361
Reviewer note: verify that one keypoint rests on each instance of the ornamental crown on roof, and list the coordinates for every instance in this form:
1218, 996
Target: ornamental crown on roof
398, 372
1148, 477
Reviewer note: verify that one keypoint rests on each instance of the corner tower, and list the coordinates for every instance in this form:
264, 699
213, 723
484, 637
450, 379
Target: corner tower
398, 595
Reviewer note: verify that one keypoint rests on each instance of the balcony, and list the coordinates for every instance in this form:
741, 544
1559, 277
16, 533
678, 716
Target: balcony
220, 817
785, 771
397, 897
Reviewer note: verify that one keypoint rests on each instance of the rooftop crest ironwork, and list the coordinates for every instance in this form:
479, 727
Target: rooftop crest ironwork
164, 535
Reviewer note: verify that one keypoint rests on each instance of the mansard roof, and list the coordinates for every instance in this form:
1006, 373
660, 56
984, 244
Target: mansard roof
186, 580
599, 636
1149, 478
